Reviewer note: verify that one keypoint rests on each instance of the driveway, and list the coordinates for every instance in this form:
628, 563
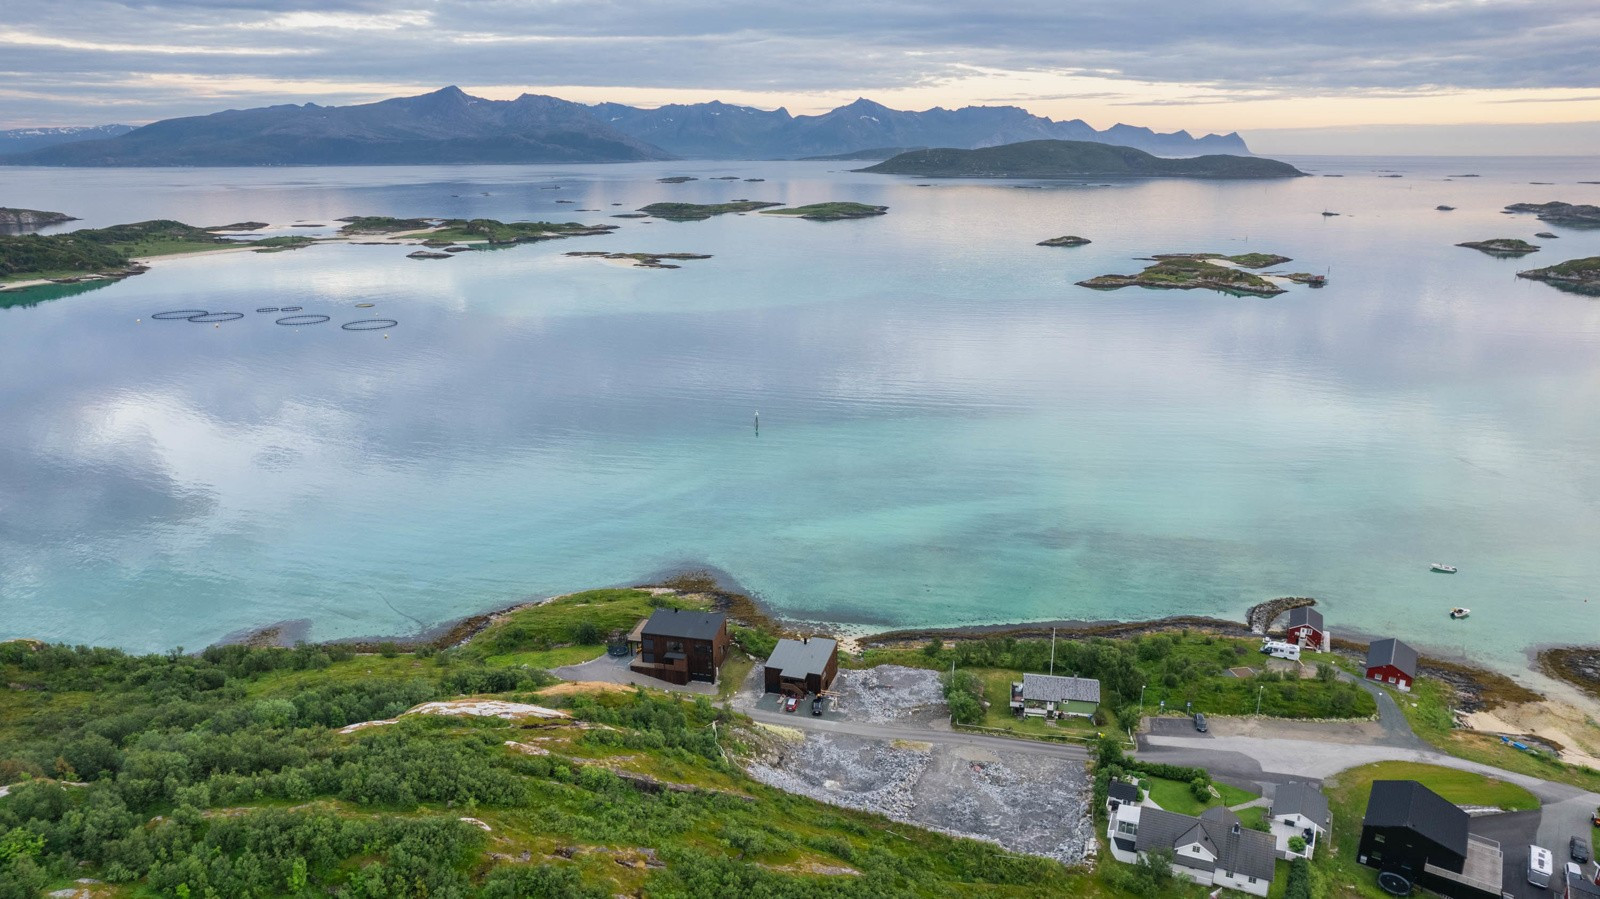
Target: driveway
614, 670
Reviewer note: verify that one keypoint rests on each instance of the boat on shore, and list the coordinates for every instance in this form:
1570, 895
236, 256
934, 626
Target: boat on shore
1442, 568
1459, 613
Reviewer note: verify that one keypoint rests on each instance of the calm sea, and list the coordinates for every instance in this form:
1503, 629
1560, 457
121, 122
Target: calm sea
951, 432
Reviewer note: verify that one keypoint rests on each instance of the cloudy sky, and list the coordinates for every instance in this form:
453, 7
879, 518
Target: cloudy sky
1291, 75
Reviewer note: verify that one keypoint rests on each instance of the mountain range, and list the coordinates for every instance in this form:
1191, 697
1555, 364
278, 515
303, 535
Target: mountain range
451, 126
21, 140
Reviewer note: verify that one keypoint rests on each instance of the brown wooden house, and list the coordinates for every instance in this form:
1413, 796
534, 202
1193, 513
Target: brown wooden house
679, 645
802, 666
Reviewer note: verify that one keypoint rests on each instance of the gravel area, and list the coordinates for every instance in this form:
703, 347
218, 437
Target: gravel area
890, 694
1032, 804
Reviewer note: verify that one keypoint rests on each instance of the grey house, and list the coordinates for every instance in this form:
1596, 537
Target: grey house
1213, 849
1053, 696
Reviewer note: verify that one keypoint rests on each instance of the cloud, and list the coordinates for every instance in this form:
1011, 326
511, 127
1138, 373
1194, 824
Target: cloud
1230, 47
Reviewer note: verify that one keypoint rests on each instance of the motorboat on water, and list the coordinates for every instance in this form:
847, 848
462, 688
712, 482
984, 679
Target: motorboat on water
1459, 613
1443, 568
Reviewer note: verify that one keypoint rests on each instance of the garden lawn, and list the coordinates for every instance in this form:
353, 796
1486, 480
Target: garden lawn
1175, 796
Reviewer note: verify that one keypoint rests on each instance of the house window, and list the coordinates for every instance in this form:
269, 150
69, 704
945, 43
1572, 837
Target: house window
1377, 838
1128, 827
674, 646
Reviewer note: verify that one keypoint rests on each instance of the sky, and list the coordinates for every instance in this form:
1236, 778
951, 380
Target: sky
1292, 76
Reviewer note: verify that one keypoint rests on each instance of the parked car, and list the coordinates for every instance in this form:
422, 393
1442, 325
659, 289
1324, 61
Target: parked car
1579, 849
791, 703
1595, 818
1200, 722
816, 709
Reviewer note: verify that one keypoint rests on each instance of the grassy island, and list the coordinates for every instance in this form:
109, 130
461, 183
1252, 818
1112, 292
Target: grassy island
497, 232
693, 212
1501, 246
1248, 260
1074, 159
1069, 240
107, 252
1186, 272
1557, 213
830, 212
1575, 275
381, 224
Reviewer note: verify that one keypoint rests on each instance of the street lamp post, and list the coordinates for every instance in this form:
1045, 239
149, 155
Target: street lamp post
1141, 699
1259, 691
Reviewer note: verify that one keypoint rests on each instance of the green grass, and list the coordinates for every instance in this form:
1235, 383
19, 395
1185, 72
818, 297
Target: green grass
1252, 816
997, 690
734, 670
560, 622
1347, 800
1175, 796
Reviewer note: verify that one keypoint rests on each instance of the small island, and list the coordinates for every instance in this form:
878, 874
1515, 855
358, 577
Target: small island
640, 260
498, 233
1571, 215
1546, 235
381, 224
694, 212
1442, 208
1074, 159
20, 219
830, 212
675, 179
1187, 271
240, 226
1069, 240
1248, 260
1501, 246
94, 254
1575, 275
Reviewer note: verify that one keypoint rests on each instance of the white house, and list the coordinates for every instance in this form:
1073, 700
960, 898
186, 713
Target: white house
1298, 810
1211, 850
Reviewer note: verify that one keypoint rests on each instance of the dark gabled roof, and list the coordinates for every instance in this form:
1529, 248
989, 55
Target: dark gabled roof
1238, 849
797, 659
1406, 803
1392, 652
1305, 615
688, 625
1123, 792
1054, 688
1301, 798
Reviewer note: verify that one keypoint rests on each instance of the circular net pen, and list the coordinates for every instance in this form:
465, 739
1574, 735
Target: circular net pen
291, 309
179, 315
209, 317
269, 309
295, 320
369, 324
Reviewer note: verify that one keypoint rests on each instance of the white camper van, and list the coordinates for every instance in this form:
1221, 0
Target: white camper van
1541, 864
1279, 650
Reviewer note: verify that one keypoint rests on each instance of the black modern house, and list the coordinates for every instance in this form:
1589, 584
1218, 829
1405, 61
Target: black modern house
1414, 836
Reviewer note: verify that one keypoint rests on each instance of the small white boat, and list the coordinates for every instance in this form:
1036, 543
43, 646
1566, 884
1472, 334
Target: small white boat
1459, 613
1443, 568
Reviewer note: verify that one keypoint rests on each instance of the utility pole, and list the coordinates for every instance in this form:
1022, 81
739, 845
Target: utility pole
1259, 691
1052, 651
1141, 699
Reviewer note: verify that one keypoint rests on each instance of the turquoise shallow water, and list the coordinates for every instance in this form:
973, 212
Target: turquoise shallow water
951, 431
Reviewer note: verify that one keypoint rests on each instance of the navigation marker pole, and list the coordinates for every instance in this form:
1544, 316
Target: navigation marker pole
758, 422
1052, 651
